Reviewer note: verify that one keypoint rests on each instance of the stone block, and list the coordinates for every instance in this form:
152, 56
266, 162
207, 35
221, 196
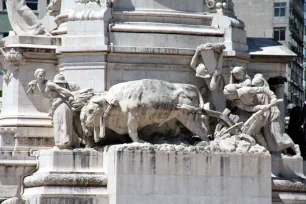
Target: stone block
67, 176
286, 166
154, 174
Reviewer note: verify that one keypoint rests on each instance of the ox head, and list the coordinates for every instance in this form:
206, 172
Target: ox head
92, 112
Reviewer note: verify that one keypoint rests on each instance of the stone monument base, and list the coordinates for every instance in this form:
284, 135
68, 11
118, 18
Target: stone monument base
152, 174
67, 176
173, 174
288, 179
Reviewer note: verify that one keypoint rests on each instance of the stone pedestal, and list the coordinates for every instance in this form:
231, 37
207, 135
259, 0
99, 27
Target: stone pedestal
277, 85
186, 175
288, 179
11, 171
66, 176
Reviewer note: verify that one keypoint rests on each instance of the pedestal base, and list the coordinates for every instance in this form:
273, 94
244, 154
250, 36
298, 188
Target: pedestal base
174, 174
67, 176
288, 180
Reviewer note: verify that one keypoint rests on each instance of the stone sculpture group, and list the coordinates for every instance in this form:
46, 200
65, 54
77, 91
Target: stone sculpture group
81, 117
156, 111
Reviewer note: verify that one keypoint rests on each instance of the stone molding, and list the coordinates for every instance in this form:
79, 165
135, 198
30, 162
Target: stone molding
292, 185
100, 2
13, 59
86, 15
37, 142
236, 23
164, 14
11, 130
62, 179
165, 28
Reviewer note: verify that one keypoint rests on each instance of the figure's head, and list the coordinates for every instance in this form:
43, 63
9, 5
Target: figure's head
40, 75
60, 80
259, 81
238, 73
230, 92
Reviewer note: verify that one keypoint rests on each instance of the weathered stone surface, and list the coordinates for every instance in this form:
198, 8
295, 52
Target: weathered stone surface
62, 179
186, 174
67, 176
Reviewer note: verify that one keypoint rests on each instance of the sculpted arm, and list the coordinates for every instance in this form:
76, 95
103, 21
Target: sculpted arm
247, 82
216, 81
249, 108
260, 90
54, 87
266, 91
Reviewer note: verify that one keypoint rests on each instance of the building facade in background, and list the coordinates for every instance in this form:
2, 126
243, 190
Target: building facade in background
38, 6
282, 20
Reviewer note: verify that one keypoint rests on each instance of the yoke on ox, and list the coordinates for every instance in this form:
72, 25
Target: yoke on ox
128, 107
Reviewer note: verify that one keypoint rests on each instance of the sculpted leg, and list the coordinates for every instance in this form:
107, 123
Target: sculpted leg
132, 127
194, 124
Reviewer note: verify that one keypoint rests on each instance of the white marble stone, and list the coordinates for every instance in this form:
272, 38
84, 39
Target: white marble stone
66, 176
166, 174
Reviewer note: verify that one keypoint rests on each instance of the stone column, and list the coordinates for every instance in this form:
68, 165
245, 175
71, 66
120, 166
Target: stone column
277, 85
41, 7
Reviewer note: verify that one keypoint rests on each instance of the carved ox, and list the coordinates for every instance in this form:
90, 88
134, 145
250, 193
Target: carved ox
142, 103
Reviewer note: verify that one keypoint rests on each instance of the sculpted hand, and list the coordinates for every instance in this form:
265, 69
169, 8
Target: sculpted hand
217, 72
264, 108
274, 100
32, 86
32, 83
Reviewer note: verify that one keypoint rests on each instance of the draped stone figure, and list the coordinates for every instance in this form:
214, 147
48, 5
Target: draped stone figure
61, 112
266, 126
22, 19
208, 63
239, 77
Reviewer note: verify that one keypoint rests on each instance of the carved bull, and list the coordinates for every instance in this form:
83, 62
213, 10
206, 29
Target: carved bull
142, 103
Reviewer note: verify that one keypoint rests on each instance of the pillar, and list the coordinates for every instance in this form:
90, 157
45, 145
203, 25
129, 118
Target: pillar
277, 85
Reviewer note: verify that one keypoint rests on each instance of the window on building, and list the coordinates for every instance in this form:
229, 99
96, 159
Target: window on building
3, 5
32, 4
279, 33
279, 9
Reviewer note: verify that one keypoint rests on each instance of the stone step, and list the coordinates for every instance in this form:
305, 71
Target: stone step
147, 27
65, 194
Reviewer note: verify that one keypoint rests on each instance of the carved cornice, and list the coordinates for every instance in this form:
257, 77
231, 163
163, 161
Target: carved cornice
100, 2
12, 61
87, 15
226, 5
66, 180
